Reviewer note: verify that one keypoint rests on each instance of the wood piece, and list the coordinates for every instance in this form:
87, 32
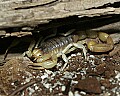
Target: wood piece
2, 32
15, 13
112, 27
15, 34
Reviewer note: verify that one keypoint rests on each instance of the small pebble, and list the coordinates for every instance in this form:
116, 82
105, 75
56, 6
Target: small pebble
70, 93
63, 88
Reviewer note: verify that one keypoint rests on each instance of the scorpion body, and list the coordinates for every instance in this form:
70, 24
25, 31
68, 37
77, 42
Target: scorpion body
45, 55
57, 44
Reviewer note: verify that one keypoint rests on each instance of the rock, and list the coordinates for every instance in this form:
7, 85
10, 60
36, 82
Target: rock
90, 85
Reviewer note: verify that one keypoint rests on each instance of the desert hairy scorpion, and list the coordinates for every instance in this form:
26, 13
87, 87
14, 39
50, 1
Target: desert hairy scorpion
46, 54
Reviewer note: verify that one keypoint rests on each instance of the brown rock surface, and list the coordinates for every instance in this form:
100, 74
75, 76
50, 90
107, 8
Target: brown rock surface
90, 85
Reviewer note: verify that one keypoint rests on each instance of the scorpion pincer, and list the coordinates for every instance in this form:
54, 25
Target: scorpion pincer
45, 55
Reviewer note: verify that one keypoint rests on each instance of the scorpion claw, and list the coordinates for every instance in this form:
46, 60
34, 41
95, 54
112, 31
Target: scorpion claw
47, 64
44, 61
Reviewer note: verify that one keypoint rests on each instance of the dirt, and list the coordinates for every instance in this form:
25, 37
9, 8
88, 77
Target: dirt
98, 76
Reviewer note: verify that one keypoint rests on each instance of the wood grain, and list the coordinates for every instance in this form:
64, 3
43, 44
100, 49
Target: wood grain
15, 13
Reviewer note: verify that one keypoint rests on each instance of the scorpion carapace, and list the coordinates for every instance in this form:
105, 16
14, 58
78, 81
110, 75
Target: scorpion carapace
45, 55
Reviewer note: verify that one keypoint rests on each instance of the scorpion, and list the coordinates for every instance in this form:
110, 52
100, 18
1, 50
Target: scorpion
45, 56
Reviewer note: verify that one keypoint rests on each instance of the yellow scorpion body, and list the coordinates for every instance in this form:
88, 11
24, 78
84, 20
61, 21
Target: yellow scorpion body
45, 55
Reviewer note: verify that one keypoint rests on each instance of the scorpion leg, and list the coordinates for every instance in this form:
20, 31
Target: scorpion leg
39, 41
30, 48
67, 33
66, 61
76, 45
66, 50
64, 58
73, 48
14, 43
